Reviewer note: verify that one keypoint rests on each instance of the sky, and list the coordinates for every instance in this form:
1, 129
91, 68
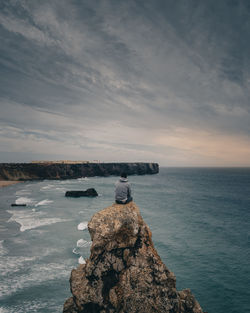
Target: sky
124, 81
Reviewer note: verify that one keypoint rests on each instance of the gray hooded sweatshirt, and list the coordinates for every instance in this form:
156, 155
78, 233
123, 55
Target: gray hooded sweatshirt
122, 189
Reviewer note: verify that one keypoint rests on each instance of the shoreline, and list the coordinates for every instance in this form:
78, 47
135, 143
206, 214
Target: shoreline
5, 183
41, 171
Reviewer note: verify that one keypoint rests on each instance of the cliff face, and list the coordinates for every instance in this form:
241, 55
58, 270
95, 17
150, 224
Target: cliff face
124, 272
35, 171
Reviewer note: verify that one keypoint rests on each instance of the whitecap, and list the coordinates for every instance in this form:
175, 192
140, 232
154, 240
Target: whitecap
82, 178
82, 226
81, 243
81, 260
11, 284
24, 200
81, 212
44, 202
23, 192
29, 219
76, 251
47, 187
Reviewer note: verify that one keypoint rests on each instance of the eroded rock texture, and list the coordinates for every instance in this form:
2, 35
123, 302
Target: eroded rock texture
124, 272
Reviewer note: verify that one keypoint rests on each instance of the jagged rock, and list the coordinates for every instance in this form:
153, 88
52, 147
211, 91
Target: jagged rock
124, 273
91, 192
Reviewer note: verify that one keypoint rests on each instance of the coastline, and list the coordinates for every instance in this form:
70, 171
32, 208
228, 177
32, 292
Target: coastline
40, 171
5, 183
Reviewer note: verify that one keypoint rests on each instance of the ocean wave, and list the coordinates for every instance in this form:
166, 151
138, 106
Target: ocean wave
82, 226
23, 192
12, 264
83, 178
29, 219
76, 251
24, 200
47, 187
82, 243
3, 250
81, 260
31, 306
11, 284
44, 202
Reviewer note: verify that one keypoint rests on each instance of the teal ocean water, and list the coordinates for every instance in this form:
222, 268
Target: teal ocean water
199, 218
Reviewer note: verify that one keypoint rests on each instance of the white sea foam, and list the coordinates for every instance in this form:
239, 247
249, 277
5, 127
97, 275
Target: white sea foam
47, 187
81, 243
24, 200
76, 251
30, 306
50, 271
81, 260
82, 226
12, 264
29, 219
82, 178
44, 202
23, 192
3, 250
67, 181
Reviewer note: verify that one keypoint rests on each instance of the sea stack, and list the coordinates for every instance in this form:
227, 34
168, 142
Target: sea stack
124, 272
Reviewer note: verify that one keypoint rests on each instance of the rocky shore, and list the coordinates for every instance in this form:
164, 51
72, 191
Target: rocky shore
5, 183
37, 171
124, 272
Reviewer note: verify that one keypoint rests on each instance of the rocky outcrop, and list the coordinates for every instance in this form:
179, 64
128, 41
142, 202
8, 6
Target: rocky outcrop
35, 171
124, 272
91, 192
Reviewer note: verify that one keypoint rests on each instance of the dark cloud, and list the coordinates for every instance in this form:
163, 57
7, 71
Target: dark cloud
112, 77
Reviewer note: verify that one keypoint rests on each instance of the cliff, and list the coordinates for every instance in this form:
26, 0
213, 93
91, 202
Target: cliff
36, 171
124, 272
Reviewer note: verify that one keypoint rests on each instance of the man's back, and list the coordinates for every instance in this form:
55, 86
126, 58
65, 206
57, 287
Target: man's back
122, 190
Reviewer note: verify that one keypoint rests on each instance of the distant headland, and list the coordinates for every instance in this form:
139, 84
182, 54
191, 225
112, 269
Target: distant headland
65, 169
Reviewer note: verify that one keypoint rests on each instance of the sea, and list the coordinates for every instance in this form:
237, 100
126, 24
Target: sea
199, 218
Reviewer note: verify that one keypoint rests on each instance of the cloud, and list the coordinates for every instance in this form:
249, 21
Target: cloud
125, 80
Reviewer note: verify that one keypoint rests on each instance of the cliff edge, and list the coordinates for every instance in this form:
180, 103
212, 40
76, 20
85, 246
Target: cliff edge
124, 272
37, 171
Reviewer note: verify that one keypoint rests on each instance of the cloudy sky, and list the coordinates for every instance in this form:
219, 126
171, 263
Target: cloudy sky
165, 81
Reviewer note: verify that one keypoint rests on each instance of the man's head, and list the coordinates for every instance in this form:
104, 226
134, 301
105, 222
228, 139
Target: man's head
124, 175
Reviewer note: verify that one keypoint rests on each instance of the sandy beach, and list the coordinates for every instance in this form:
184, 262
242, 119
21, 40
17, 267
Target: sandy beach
4, 183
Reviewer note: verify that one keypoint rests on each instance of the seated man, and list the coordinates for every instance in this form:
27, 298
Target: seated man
123, 190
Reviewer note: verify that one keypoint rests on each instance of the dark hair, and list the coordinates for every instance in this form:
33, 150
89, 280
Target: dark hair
124, 175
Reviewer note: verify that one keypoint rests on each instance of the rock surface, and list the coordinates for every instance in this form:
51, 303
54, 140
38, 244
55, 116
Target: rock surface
35, 171
124, 272
91, 192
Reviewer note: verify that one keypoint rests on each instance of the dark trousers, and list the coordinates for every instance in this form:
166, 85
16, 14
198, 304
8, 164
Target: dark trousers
127, 201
